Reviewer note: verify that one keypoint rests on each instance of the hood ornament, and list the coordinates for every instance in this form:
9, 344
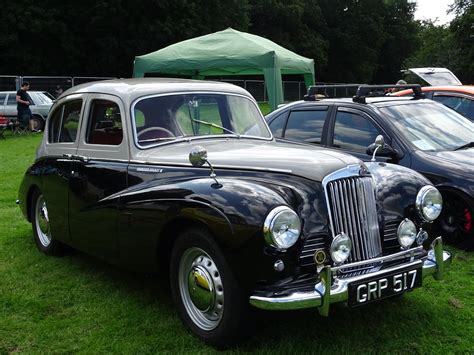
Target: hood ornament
197, 157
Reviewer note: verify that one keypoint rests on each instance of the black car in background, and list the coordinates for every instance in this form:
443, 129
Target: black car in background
419, 133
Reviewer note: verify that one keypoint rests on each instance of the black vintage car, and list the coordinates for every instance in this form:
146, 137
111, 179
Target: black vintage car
419, 133
185, 176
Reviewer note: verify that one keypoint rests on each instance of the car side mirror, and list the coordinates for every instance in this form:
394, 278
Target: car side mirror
197, 157
382, 149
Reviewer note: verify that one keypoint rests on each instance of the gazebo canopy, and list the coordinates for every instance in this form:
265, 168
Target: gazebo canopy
229, 52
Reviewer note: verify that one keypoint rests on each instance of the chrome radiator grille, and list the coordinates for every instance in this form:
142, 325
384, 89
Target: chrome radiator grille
352, 210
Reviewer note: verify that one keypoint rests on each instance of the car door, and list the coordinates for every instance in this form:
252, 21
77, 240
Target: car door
353, 130
3, 96
10, 106
302, 124
61, 142
99, 171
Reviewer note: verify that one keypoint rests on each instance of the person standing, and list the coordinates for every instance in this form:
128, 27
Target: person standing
58, 91
23, 102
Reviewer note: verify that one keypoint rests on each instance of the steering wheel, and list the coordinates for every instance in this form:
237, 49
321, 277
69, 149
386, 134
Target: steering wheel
154, 132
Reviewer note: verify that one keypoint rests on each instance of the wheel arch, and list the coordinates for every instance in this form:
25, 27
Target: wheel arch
28, 200
170, 233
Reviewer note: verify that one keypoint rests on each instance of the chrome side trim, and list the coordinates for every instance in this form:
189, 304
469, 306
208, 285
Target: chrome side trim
188, 165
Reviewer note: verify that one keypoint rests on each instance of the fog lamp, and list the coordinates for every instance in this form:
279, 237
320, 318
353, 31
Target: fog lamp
406, 233
429, 203
340, 248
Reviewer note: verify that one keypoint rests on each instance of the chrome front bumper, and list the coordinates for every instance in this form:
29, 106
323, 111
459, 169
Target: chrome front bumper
332, 290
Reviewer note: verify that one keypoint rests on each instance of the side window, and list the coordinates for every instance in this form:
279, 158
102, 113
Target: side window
11, 99
277, 125
462, 105
64, 122
105, 123
353, 132
2, 98
306, 125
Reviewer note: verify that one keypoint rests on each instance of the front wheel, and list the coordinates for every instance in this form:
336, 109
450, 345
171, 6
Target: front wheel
40, 221
456, 222
208, 298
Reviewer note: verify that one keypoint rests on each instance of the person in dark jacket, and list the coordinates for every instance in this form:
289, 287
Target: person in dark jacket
23, 102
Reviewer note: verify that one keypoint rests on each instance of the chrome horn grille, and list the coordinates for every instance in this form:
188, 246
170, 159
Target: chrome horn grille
352, 210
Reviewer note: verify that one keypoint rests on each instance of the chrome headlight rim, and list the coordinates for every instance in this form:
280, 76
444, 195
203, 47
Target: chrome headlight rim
406, 223
421, 202
338, 239
269, 223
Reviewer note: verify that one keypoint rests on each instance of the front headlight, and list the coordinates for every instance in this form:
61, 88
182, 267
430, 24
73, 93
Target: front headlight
429, 203
340, 248
406, 233
282, 228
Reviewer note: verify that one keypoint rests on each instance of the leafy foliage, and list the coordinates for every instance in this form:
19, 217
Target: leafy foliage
350, 40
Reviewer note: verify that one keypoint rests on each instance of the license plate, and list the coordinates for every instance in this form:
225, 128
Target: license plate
374, 289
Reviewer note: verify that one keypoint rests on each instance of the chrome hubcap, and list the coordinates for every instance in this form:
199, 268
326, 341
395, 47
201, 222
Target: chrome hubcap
42, 222
201, 288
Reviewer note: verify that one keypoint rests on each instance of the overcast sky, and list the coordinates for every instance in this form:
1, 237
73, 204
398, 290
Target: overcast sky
432, 9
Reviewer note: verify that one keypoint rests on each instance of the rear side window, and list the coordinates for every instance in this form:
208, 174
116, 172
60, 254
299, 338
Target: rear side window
64, 122
105, 123
2, 98
353, 132
306, 125
278, 125
11, 99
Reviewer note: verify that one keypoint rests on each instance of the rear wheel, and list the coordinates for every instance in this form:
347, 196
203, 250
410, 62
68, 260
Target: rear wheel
208, 298
40, 221
37, 123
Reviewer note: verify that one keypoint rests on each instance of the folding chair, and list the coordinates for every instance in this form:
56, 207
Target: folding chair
19, 128
4, 123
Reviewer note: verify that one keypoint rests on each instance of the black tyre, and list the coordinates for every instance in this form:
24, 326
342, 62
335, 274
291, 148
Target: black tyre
208, 298
41, 226
37, 123
456, 222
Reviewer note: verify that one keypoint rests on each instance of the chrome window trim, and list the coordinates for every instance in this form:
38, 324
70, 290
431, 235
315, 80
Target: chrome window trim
199, 92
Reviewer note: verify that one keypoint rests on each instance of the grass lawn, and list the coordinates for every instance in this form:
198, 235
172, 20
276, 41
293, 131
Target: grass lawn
76, 303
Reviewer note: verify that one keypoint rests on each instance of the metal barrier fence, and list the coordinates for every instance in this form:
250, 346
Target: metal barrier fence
52, 84
292, 90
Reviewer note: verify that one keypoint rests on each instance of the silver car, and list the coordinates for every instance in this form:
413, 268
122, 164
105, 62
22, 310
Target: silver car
41, 104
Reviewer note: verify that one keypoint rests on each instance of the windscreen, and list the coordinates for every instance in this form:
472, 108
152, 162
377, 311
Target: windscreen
431, 127
164, 118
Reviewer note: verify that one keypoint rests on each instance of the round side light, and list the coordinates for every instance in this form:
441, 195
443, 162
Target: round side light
406, 233
341, 248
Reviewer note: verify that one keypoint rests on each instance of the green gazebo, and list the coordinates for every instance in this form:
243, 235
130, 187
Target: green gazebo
228, 53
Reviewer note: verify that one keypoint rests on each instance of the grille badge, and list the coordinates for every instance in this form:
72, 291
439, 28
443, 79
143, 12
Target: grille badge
319, 256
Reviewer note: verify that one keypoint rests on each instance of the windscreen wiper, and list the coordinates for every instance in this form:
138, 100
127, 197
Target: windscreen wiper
465, 146
215, 126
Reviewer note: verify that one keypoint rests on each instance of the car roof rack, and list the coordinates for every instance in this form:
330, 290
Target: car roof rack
318, 92
365, 91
